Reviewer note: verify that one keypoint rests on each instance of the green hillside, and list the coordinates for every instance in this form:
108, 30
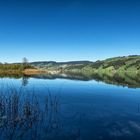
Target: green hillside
113, 65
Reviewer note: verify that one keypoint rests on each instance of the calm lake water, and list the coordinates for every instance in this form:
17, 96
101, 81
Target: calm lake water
78, 110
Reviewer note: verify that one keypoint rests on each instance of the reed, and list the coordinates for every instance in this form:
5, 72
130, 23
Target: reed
23, 115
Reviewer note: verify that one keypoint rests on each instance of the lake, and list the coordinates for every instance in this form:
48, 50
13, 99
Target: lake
66, 109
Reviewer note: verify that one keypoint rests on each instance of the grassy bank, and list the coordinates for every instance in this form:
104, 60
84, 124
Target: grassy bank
18, 69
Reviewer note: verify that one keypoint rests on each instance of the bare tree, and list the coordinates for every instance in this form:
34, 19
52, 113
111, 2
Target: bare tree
24, 62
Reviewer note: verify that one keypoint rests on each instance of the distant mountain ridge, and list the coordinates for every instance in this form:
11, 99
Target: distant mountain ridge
60, 63
57, 65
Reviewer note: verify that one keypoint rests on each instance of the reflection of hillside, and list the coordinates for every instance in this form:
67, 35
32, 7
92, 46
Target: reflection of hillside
62, 76
116, 79
120, 79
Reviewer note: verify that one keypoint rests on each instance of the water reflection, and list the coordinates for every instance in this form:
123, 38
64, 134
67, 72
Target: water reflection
124, 80
24, 81
120, 80
81, 111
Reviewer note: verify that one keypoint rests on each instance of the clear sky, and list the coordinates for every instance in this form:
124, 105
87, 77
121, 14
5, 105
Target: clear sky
66, 30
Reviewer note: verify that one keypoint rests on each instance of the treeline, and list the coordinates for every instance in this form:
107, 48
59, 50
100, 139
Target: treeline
9, 67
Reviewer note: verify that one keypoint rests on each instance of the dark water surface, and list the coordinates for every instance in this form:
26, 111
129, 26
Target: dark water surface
76, 110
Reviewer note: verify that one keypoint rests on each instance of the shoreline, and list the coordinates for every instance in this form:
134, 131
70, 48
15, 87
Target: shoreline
34, 72
26, 72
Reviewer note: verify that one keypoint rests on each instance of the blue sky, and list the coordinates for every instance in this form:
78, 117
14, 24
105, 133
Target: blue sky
67, 30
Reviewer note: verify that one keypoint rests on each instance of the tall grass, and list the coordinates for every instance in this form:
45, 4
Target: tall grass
26, 116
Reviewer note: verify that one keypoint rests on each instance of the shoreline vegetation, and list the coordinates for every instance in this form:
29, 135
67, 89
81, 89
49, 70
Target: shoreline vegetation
119, 70
17, 69
24, 114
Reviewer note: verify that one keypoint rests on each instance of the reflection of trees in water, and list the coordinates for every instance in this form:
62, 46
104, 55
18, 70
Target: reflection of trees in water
29, 117
120, 79
24, 81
